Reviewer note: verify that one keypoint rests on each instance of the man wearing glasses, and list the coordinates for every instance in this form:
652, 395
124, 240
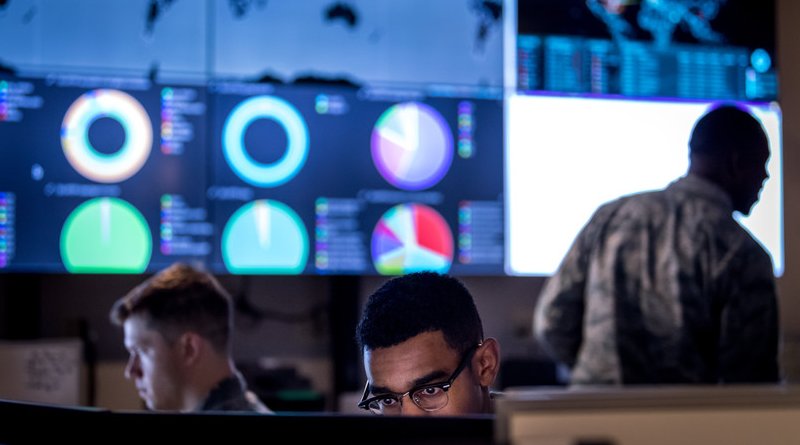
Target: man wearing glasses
423, 347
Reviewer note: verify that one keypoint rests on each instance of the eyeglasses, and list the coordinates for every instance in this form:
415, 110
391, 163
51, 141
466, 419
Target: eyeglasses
429, 397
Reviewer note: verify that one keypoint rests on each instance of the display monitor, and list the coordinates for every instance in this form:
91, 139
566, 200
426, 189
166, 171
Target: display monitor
567, 155
101, 174
76, 424
116, 175
694, 49
312, 179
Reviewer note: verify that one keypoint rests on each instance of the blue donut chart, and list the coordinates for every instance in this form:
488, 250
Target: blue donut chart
247, 168
129, 113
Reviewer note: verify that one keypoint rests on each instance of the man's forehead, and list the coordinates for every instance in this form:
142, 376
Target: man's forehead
137, 331
399, 366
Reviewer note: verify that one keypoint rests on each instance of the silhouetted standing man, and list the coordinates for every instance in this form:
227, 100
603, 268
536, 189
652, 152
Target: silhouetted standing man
666, 286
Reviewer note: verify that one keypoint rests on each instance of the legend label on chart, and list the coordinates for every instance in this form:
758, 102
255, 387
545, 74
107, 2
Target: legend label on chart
466, 129
184, 230
7, 201
15, 96
176, 130
480, 232
340, 241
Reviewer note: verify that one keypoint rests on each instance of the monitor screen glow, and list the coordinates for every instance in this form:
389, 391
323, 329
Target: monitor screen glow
567, 155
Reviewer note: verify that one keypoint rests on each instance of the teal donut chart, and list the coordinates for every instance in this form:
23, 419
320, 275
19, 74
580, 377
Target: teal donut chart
247, 168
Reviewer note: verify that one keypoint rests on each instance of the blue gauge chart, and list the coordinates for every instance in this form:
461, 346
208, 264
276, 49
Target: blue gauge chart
265, 237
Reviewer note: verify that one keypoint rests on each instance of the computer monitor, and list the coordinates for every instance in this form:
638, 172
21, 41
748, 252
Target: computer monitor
74, 424
566, 155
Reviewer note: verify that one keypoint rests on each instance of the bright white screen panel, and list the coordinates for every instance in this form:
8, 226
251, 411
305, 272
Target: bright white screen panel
567, 155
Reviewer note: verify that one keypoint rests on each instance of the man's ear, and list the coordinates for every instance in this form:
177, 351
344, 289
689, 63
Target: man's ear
190, 347
486, 363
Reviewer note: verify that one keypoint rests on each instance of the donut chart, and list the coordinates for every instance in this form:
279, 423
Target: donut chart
86, 159
410, 238
245, 166
106, 235
412, 146
265, 237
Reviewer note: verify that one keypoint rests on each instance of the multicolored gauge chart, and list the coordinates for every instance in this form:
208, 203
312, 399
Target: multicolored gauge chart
412, 146
265, 237
233, 145
85, 158
410, 238
106, 235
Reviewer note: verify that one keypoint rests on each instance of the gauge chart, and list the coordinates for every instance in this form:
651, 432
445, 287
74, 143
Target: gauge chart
106, 235
265, 237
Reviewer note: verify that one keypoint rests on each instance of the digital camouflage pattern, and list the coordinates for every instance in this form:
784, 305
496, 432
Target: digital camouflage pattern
663, 287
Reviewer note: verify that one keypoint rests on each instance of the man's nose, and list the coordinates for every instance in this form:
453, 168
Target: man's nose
132, 369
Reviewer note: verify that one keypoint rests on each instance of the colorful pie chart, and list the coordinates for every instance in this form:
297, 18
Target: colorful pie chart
411, 238
264, 237
412, 146
106, 235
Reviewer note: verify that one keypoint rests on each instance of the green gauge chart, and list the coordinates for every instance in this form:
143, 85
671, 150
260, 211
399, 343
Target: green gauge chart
106, 235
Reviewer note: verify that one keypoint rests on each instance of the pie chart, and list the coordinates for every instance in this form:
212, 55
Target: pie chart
412, 146
105, 235
264, 237
411, 238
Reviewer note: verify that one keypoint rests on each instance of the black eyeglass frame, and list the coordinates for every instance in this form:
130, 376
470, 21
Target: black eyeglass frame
444, 386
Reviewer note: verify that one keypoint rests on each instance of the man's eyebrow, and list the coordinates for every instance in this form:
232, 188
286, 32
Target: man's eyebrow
424, 380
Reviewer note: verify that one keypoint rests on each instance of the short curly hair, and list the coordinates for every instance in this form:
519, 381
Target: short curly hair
419, 302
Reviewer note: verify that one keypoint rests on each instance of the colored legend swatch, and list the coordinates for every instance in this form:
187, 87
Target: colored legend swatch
3, 100
184, 230
340, 243
480, 232
410, 238
6, 228
176, 130
466, 129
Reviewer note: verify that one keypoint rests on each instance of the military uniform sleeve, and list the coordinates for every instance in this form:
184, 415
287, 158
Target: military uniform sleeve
558, 317
749, 324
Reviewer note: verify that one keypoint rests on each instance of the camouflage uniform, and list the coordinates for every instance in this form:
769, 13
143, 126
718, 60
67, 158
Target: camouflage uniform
663, 287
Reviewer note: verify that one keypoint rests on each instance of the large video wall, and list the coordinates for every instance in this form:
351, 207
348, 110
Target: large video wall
115, 175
